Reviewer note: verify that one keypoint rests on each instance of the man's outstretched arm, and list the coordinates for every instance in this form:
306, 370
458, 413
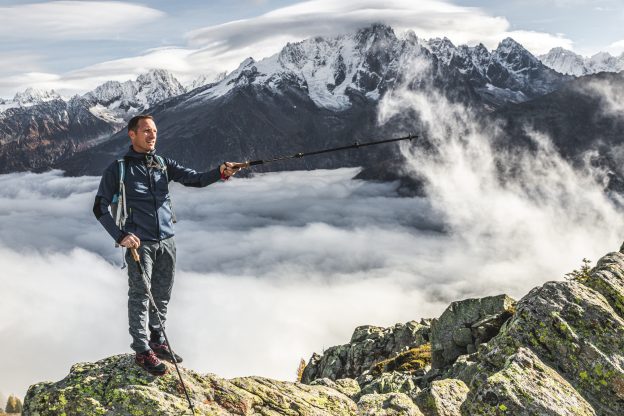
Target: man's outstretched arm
190, 177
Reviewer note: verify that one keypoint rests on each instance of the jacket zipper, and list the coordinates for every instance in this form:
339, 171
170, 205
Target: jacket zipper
152, 186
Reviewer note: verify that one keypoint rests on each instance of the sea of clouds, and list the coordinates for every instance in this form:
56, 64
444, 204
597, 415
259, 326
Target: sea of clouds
274, 267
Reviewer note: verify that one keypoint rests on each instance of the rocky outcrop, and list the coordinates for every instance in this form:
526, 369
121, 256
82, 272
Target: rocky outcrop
369, 345
465, 325
443, 398
116, 386
557, 351
562, 352
391, 404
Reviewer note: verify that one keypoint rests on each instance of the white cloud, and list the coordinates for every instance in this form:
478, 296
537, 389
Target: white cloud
533, 204
616, 48
19, 61
427, 18
74, 19
182, 62
19, 82
275, 267
539, 43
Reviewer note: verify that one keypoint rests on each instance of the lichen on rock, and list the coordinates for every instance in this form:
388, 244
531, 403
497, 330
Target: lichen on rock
117, 386
465, 325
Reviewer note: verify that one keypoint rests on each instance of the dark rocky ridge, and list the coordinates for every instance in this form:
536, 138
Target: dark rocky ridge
34, 138
557, 351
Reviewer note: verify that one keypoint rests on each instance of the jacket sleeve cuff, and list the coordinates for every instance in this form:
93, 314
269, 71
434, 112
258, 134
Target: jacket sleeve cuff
121, 237
210, 177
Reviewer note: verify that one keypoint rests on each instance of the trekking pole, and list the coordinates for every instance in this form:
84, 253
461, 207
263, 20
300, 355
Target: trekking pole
137, 259
355, 145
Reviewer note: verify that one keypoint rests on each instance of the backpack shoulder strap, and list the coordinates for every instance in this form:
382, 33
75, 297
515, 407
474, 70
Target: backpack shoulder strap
163, 165
120, 198
122, 171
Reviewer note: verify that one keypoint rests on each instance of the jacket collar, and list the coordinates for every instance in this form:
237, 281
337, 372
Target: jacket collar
136, 155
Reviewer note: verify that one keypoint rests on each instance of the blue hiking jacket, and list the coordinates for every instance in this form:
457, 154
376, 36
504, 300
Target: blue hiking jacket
147, 195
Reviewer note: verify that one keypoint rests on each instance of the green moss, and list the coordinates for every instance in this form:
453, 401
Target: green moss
583, 375
408, 361
502, 407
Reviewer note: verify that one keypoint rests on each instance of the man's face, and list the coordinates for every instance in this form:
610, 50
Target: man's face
144, 138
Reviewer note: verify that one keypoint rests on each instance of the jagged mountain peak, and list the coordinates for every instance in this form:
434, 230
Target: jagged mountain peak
159, 77
564, 61
32, 96
327, 68
568, 62
604, 62
377, 32
204, 79
245, 63
515, 56
116, 101
411, 37
508, 73
510, 43
443, 49
508, 47
441, 43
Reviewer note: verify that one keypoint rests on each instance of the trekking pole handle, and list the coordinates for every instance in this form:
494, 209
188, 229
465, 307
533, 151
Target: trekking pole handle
135, 255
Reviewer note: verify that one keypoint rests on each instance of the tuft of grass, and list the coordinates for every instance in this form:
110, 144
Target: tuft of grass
580, 275
408, 361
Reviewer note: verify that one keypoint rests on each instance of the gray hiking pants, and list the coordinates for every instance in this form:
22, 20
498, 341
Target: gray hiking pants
158, 260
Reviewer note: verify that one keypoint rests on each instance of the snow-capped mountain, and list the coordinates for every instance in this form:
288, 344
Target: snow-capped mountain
117, 101
37, 128
568, 62
328, 69
34, 96
29, 97
202, 80
321, 92
316, 93
509, 73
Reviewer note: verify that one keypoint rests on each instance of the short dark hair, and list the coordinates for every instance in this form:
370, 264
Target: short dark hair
133, 124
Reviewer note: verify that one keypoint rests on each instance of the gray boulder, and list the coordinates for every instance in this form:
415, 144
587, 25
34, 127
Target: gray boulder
369, 345
391, 404
465, 325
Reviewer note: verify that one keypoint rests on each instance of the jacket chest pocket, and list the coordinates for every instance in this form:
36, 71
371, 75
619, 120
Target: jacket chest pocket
137, 188
160, 182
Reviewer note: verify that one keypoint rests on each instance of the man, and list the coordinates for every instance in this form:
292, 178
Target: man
148, 225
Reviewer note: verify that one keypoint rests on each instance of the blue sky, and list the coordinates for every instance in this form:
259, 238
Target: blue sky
73, 46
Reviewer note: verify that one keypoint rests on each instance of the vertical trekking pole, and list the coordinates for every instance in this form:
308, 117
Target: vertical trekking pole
137, 259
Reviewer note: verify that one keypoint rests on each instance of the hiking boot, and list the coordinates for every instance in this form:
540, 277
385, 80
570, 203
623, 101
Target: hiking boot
162, 351
150, 362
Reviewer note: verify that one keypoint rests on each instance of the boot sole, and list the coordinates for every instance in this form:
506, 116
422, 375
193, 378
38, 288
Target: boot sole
167, 358
154, 373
